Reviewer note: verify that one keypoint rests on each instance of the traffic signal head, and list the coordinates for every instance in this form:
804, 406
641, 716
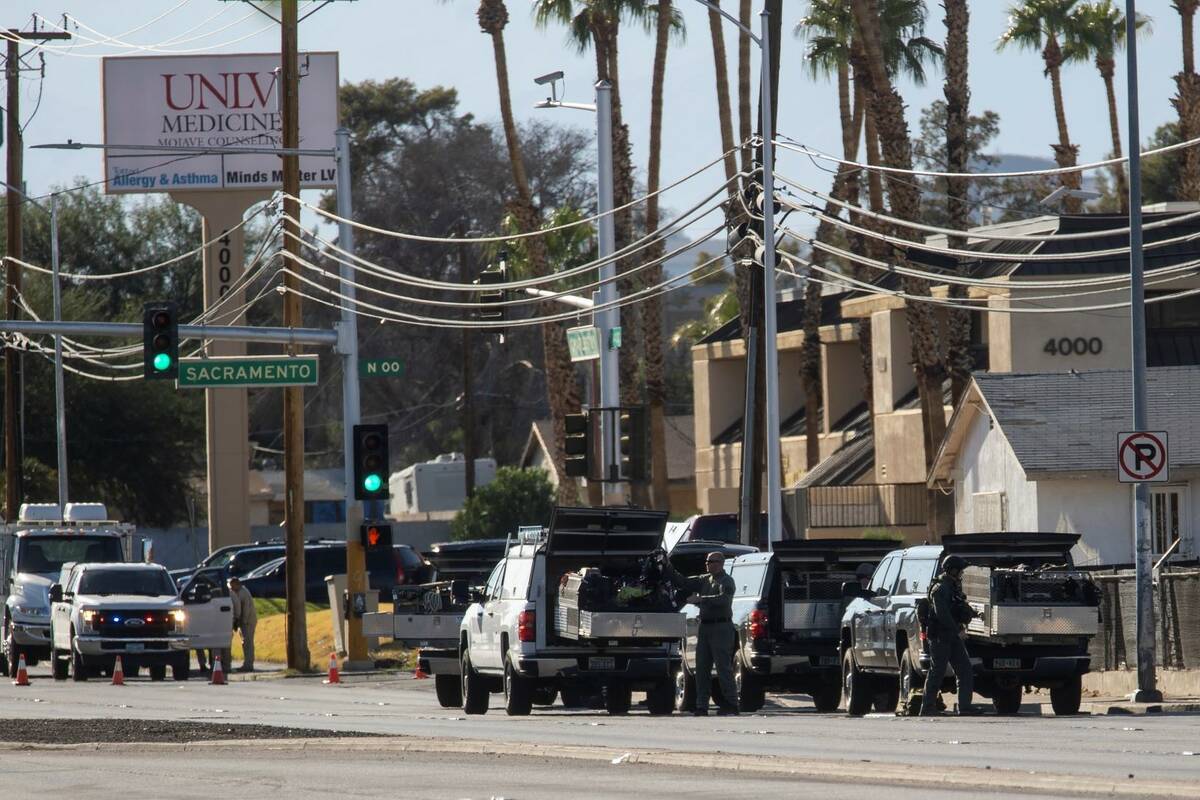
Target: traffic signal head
489, 298
633, 444
578, 445
375, 536
370, 462
160, 341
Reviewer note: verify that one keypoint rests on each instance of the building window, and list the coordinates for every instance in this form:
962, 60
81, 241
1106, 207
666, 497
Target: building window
1168, 520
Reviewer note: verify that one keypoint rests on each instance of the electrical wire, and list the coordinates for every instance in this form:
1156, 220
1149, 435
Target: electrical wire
87, 41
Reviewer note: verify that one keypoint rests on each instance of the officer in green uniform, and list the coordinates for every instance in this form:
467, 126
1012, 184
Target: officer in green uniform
715, 642
949, 614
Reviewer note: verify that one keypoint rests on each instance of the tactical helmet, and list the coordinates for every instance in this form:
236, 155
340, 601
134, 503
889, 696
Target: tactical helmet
954, 564
864, 570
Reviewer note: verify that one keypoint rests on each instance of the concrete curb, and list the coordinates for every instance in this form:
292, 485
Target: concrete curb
830, 771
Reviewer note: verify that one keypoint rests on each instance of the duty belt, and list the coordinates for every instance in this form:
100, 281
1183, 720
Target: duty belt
715, 621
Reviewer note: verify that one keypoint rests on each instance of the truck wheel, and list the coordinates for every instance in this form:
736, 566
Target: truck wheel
518, 692
79, 670
158, 672
1007, 701
751, 688
618, 697
545, 695
449, 690
59, 665
856, 687
660, 699
1065, 699
181, 670
827, 698
911, 689
685, 691
474, 689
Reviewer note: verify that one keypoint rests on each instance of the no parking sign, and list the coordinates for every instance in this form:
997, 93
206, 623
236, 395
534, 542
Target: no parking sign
1142, 457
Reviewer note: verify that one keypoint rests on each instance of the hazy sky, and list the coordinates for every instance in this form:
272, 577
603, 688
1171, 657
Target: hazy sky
431, 43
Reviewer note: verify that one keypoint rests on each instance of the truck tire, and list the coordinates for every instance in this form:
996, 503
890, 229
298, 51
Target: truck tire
856, 687
545, 695
685, 691
518, 692
449, 690
475, 694
827, 698
59, 666
79, 670
181, 669
618, 697
660, 699
1065, 699
911, 688
751, 688
1007, 701
158, 672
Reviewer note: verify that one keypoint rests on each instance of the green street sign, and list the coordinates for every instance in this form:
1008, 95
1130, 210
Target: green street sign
584, 343
380, 368
614, 338
244, 371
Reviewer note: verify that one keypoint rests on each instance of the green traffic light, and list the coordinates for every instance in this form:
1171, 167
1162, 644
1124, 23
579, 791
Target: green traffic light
162, 362
372, 483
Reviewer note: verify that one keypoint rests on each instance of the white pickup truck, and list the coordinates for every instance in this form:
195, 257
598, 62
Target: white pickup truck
134, 611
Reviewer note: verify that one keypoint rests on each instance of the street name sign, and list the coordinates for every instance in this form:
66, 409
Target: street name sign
380, 368
244, 371
1142, 457
584, 343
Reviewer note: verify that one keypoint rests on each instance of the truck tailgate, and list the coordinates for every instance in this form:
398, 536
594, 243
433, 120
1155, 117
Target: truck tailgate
812, 615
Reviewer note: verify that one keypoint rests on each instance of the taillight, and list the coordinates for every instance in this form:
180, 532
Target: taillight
525, 626
758, 624
923, 636
400, 574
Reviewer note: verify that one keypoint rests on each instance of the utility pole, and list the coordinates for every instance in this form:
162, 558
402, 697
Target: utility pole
468, 410
608, 318
15, 182
293, 396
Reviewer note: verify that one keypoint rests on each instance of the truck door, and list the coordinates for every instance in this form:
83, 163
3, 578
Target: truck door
6, 555
871, 620
209, 614
476, 637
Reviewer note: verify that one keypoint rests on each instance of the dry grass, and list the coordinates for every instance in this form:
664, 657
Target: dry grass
270, 640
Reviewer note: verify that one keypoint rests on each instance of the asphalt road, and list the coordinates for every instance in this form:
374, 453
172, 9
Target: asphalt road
1030, 753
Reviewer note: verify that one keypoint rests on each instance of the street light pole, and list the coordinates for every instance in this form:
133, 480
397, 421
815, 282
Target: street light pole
1147, 691
771, 357
606, 320
59, 396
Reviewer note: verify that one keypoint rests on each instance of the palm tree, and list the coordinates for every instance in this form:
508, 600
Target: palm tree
745, 112
888, 108
958, 102
1098, 33
1039, 25
561, 388
1187, 102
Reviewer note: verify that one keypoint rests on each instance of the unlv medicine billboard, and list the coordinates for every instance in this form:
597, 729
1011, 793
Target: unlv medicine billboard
213, 101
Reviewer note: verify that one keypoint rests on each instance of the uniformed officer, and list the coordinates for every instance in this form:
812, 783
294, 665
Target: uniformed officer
949, 614
864, 573
716, 639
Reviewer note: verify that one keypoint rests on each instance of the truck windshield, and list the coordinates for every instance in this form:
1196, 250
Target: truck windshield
151, 582
47, 554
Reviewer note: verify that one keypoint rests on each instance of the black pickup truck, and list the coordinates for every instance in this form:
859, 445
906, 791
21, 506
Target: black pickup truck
1035, 615
786, 610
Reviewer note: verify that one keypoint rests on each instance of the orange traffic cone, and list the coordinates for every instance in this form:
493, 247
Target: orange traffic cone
118, 673
419, 674
218, 674
333, 670
22, 678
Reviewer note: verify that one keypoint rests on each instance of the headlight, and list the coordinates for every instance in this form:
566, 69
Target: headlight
180, 618
32, 611
88, 615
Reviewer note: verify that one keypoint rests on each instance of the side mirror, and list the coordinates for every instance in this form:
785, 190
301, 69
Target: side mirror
851, 590
56, 593
478, 596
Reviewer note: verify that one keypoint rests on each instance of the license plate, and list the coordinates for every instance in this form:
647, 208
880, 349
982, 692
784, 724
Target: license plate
602, 662
134, 647
827, 661
1006, 663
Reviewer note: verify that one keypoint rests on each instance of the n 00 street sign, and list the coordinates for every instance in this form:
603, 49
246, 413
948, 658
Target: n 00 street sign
380, 368
246, 371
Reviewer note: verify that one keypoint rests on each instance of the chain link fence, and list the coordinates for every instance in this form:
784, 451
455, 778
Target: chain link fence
1176, 618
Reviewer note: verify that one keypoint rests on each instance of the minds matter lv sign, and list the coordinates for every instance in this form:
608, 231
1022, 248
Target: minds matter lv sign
213, 101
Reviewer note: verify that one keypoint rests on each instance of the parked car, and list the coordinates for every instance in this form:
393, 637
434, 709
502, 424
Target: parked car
718, 528
236, 560
1037, 615
384, 571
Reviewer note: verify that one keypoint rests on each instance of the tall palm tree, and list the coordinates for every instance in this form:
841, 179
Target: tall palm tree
1098, 33
1187, 102
745, 111
958, 102
888, 108
1043, 25
561, 388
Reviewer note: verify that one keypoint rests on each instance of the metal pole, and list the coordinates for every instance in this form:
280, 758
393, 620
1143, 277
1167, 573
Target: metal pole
1147, 691
12, 280
356, 564
59, 395
606, 320
133, 330
771, 359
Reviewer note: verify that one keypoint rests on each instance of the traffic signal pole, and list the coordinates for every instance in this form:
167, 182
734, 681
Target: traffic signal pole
606, 319
347, 328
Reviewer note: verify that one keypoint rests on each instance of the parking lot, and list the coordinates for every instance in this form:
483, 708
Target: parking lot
1044, 755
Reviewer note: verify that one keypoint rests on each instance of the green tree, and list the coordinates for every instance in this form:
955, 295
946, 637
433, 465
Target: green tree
515, 497
1187, 101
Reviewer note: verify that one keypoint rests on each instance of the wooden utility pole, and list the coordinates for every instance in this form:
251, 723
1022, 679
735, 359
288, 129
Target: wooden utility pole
293, 396
14, 181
